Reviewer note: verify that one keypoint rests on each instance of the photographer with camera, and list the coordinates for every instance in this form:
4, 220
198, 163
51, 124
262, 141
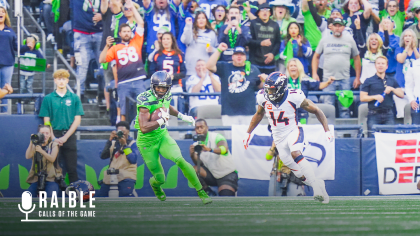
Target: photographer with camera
45, 173
213, 162
122, 172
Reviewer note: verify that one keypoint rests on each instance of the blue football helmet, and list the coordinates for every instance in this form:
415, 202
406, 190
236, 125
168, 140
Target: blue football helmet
78, 187
275, 86
162, 79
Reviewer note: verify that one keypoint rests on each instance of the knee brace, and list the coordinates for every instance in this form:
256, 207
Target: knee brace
226, 193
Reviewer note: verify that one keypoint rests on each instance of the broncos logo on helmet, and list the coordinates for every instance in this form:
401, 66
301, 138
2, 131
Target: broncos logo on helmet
275, 86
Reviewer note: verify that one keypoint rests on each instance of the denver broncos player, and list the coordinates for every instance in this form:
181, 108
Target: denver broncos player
279, 105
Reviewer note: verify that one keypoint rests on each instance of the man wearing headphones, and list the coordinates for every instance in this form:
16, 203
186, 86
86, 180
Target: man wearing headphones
30, 48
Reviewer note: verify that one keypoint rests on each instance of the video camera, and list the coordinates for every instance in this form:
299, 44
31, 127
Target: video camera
37, 139
199, 138
61, 183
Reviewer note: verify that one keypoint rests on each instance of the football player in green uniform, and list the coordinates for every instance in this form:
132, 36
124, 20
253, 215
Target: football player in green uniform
153, 137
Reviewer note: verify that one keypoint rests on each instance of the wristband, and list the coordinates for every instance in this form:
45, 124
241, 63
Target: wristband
47, 123
218, 49
127, 151
268, 157
161, 121
222, 150
180, 115
211, 150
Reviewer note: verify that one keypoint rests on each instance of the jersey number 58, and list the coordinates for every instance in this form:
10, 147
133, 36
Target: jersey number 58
127, 54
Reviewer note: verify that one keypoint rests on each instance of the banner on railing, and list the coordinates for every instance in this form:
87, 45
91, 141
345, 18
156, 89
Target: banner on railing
398, 162
251, 163
32, 64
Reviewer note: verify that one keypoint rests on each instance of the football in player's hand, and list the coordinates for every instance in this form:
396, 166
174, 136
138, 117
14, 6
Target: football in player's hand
157, 114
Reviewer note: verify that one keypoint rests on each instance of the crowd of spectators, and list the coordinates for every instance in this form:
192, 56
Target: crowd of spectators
228, 46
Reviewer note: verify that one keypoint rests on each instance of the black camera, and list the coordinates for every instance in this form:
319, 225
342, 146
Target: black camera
42, 178
61, 183
37, 139
117, 40
112, 171
199, 138
120, 134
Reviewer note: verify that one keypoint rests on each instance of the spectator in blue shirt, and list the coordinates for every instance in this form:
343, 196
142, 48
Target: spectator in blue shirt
8, 47
394, 43
354, 8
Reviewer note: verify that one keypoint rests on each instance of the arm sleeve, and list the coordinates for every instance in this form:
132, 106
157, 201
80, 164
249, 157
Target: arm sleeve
354, 50
152, 55
314, 13
221, 37
253, 41
152, 67
385, 46
401, 5
307, 49
365, 86
298, 97
15, 47
277, 40
381, 5
361, 43
282, 46
110, 55
45, 108
260, 99
409, 84
105, 152
243, 38
132, 157
79, 107
182, 69
187, 35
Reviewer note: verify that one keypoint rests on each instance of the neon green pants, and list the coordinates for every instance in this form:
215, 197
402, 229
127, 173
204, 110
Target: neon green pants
169, 149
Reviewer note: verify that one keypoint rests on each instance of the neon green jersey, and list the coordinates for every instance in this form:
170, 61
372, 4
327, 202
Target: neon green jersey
148, 100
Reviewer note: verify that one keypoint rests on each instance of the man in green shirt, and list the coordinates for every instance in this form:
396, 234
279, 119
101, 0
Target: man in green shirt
217, 167
153, 137
62, 110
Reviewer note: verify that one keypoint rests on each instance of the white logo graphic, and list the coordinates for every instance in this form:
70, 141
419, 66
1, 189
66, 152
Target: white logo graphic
68, 102
237, 82
27, 207
26, 204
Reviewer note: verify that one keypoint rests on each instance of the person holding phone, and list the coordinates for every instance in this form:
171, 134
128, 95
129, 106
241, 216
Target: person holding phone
233, 33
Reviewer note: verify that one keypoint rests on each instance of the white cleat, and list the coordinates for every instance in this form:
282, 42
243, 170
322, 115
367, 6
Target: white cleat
321, 184
318, 195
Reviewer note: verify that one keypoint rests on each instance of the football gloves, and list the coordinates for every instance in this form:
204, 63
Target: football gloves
185, 118
246, 140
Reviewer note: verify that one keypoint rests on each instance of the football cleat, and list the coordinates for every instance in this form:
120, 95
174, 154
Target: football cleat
204, 197
160, 194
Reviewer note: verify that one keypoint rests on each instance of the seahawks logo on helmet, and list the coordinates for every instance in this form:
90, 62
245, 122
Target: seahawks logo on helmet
161, 79
275, 86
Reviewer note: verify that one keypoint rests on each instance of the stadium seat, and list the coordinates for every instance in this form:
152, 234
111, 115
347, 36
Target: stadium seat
211, 113
407, 114
362, 119
329, 111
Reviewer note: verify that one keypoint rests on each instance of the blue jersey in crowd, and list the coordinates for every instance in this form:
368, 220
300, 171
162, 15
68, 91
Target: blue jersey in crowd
394, 43
208, 5
9, 46
83, 12
156, 19
402, 67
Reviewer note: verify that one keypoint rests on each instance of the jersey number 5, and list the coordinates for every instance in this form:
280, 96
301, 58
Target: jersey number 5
125, 55
280, 119
168, 66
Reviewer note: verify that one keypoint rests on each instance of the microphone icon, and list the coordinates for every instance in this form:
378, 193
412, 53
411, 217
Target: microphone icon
26, 204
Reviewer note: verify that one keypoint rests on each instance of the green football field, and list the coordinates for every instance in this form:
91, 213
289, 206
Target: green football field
380, 215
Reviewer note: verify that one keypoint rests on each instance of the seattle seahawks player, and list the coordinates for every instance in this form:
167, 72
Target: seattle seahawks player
153, 137
279, 105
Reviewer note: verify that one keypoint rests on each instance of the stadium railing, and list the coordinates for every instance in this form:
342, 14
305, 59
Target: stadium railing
394, 128
37, 96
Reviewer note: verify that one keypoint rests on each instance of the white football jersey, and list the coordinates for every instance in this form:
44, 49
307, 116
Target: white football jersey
282, 116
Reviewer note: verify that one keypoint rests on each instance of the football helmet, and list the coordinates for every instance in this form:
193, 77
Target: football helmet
78, 187
275, 86
162, 79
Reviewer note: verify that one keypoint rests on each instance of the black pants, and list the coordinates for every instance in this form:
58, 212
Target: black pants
68, 153
64, 16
